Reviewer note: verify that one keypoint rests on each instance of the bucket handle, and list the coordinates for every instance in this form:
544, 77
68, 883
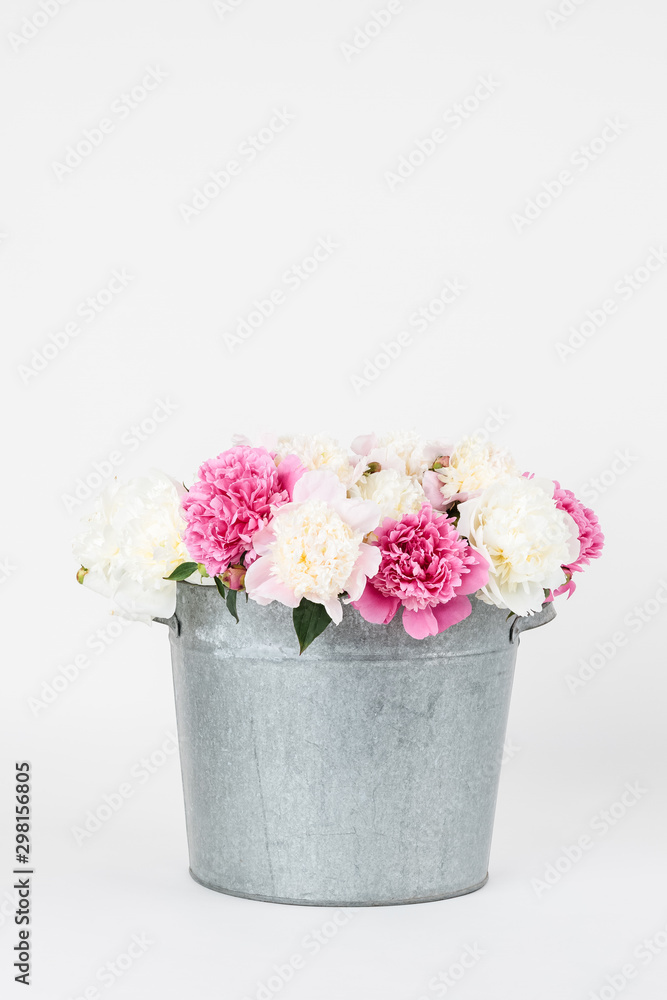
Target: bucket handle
521, 623
172, 623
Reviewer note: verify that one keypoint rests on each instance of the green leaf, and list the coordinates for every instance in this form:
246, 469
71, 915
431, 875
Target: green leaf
310, 620
182, 572
229, 596
231, 603
510, 615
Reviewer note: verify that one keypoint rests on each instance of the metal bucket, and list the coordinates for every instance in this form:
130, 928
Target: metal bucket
362, 773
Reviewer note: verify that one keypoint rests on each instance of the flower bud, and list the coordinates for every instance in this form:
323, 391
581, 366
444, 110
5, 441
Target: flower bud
372, 467
442, 462
233, 577
80, 574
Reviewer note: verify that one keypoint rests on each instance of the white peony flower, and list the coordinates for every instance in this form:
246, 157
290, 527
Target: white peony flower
474, 465
132, 540
394, 492
314, 547
405, 452
318, 451
526, 539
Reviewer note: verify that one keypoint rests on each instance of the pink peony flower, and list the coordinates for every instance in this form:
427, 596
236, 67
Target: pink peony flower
233, 499
428, 568
591, 539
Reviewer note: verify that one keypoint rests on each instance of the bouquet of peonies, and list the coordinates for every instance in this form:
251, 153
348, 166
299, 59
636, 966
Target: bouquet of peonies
392, 523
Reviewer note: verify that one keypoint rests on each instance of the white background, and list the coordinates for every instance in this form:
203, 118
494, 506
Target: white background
527, 285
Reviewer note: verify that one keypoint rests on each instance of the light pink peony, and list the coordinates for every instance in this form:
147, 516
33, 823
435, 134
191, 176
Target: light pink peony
314, 547
232, 500
426, 567
591, 539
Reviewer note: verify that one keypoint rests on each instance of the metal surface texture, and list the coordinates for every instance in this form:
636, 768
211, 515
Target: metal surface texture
362, 773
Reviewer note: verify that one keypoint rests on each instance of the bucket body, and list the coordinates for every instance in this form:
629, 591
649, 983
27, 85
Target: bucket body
362, 773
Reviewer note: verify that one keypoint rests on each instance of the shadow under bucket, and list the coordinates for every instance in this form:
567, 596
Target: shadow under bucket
362, 773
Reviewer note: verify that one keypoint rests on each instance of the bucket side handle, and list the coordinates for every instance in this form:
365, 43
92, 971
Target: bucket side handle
172, 623
521, 623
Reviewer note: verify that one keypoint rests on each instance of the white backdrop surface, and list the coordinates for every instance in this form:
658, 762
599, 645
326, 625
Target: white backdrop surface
174, 170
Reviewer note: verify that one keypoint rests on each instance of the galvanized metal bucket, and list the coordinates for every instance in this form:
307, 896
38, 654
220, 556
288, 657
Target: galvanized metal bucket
362, 773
